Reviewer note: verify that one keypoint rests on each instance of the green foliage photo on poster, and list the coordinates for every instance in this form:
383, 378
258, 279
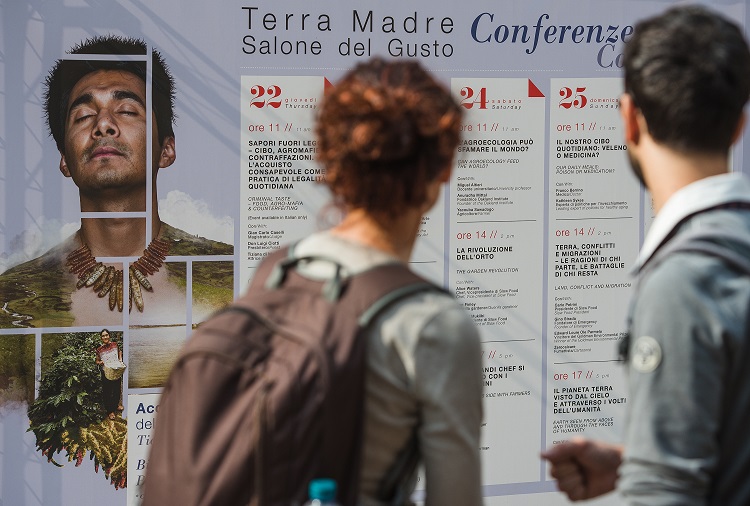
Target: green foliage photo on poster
16, 370
68, 416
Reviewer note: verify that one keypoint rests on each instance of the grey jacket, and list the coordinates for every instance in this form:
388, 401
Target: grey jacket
686, 435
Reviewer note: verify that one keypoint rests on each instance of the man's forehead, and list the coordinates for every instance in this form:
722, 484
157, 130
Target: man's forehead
107, 81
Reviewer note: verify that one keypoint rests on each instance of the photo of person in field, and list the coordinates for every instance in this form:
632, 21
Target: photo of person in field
77, 411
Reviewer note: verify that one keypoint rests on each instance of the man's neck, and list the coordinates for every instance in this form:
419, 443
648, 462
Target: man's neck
117, 237
667, 171
120, 199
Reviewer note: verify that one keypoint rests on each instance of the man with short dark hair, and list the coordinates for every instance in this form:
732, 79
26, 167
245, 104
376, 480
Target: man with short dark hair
687, 79
97, 114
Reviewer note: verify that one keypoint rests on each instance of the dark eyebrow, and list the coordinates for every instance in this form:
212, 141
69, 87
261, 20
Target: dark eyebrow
87, 98
83, 99
128, 95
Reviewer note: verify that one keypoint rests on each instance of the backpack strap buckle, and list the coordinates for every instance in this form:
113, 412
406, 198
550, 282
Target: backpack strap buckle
331, 289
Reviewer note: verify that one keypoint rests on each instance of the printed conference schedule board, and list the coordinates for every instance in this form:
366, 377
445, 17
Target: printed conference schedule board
535, 233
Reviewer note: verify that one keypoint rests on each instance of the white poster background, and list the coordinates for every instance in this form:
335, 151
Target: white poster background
211, 49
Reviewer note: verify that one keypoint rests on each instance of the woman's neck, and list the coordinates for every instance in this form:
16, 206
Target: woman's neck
395, 236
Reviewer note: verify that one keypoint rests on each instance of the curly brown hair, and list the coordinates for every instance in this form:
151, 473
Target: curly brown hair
384, 132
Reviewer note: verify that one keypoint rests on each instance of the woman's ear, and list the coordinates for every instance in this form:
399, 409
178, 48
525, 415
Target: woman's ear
739, 128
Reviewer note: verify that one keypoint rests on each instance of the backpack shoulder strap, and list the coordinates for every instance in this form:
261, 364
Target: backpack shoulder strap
365, 294
267, 265
385, 285
724, 244
714, 242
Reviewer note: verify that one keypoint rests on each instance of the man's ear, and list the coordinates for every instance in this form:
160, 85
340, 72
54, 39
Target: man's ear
168, 154
630, 119
64, 166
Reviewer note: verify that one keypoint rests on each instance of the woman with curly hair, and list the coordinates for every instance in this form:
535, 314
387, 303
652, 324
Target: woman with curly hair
387, 134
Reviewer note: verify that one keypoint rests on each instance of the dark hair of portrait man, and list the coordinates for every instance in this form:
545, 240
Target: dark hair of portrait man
66, 73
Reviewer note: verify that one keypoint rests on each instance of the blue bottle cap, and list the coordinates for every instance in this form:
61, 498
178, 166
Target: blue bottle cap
322, 489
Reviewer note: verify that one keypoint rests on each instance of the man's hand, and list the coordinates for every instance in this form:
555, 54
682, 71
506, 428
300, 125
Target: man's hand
583, 468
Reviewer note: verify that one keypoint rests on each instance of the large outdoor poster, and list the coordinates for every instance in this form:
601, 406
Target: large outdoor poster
105, 274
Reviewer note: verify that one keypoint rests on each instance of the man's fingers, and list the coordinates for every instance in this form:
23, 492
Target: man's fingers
563, 470
570, 480
563, 451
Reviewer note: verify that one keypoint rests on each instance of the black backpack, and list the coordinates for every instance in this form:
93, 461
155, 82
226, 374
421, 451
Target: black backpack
268, 394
